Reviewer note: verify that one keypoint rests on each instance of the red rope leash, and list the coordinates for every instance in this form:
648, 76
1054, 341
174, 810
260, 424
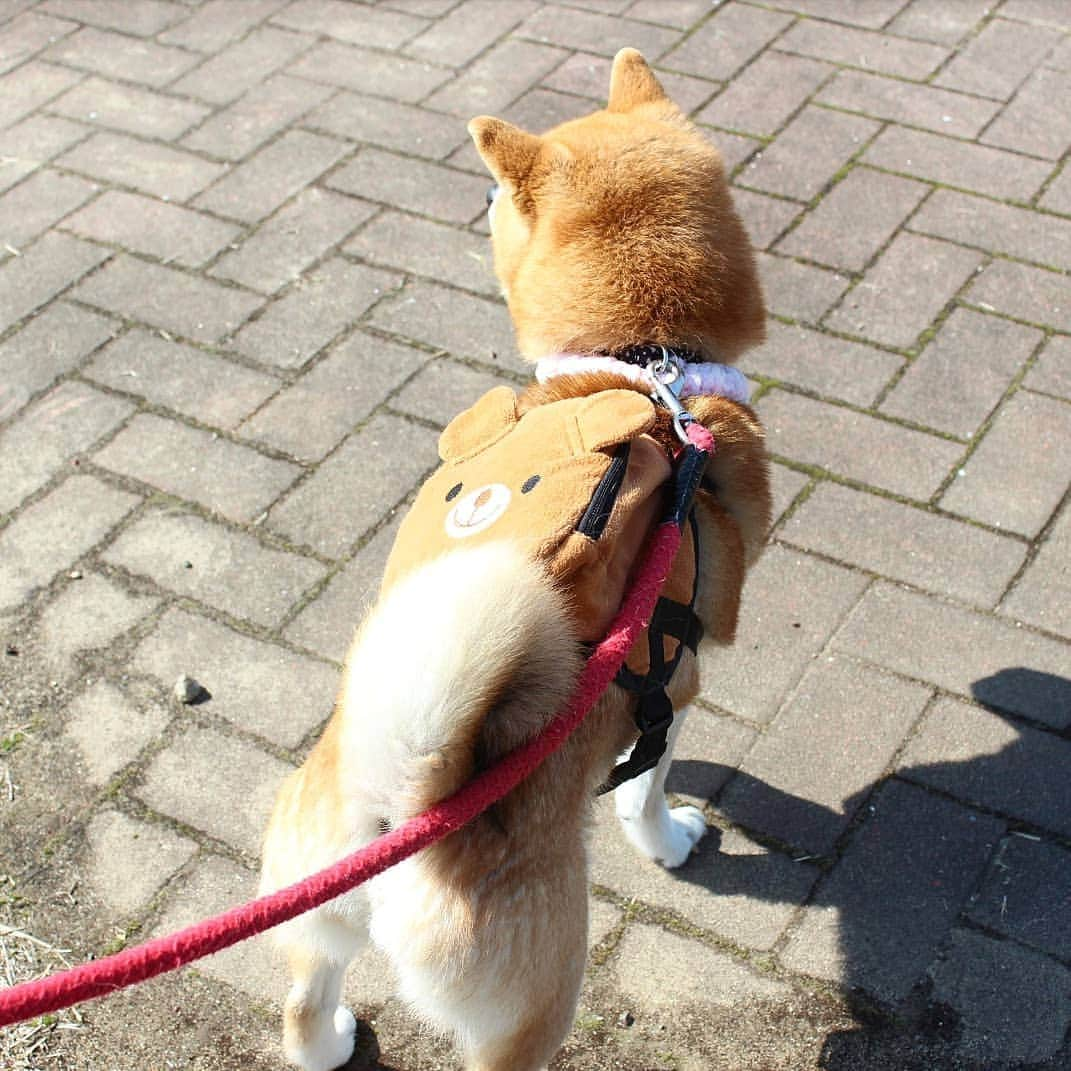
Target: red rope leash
212, 935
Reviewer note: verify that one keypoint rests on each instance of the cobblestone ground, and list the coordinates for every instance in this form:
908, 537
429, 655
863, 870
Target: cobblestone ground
244, 281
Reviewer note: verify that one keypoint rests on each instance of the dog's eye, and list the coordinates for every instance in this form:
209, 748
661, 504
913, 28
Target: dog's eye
492, 193
529, 484
453, 492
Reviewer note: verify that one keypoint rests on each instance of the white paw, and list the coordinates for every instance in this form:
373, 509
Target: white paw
334, 1046
666, 836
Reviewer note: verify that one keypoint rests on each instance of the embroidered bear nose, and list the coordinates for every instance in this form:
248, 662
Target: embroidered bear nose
482, 498
477, 510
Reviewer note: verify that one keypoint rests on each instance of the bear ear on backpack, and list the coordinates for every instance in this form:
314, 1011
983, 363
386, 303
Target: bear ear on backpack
614, 416
479, 426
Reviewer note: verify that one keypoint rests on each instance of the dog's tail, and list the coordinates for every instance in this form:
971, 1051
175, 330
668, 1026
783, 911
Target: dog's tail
461, 660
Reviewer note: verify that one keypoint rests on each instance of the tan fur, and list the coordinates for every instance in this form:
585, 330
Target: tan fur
612, 230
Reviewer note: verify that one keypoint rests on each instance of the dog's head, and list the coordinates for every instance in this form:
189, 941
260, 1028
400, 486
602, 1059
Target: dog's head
618, 228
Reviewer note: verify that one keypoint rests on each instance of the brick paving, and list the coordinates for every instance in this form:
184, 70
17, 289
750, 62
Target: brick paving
243, 257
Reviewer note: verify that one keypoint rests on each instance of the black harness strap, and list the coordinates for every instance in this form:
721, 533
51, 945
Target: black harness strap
654, 711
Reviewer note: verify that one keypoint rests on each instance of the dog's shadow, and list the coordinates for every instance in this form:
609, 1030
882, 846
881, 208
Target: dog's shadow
915, 862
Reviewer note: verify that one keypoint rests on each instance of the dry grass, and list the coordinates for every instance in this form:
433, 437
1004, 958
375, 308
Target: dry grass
25, 1046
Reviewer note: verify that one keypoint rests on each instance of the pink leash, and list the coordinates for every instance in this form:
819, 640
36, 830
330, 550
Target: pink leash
164, 954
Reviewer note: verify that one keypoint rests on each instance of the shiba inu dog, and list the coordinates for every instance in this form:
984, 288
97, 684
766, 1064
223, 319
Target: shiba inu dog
610, 232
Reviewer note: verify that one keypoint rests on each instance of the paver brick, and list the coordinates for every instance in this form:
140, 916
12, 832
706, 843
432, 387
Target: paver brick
280, 250
786, 485
946, 24
230, 793
917, 856
542, 109
119, 56
49, 345
791, 606
227, 569
415, 185
766, 94
42, 272
44, 439
730, 886
28, 34
935, 391
679, 13
1042, 596
706, 755
466, 31
1047, 12
352, 489
998, 59
724, 43
1008, 667
390, 124
693, 973
260, 687
416, 245
1052, 372
870, 14
143, 19
157, 169
854, 219
201, 385
497, 78
1031, 294
129, 109
801, 291
897, 541
465, 326
109, 731
56, 531
952, 162
823, 363
313, 312
364, 71
254, 118
594, 32
862, 48
328, 623
1057, 198
311, 416
856, 444
255, 188
765, 218
187, 305
1036, 121
216, 23
808, 152
1025, 895
90, 612
355, 23
1013, 1003
143, 225
811, 770
229, 479
442, 389
905, 289
1016, 231
242, 65
987, 760
32, 142
1018, 474
37, 204
24, 90
129, 860
913, 105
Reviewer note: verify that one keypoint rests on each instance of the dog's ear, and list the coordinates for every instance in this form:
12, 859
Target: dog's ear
632, 83
508, 151
478, 427
613, 416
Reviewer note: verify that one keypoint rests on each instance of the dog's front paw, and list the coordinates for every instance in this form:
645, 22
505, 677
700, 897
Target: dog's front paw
686, 828
332, 1048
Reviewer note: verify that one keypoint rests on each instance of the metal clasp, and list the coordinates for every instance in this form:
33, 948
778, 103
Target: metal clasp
667, 382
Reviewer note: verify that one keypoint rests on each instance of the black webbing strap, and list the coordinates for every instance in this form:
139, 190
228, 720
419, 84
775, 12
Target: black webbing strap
654, 711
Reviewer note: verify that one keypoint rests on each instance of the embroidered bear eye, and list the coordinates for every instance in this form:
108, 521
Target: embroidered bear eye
529, 484
453, 492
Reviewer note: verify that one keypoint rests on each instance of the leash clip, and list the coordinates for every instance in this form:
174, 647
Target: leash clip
666, 375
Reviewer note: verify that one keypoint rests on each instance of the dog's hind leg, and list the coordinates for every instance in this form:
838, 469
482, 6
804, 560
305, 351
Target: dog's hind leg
664, 835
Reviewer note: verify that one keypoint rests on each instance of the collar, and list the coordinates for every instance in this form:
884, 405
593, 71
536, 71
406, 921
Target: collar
699, 378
